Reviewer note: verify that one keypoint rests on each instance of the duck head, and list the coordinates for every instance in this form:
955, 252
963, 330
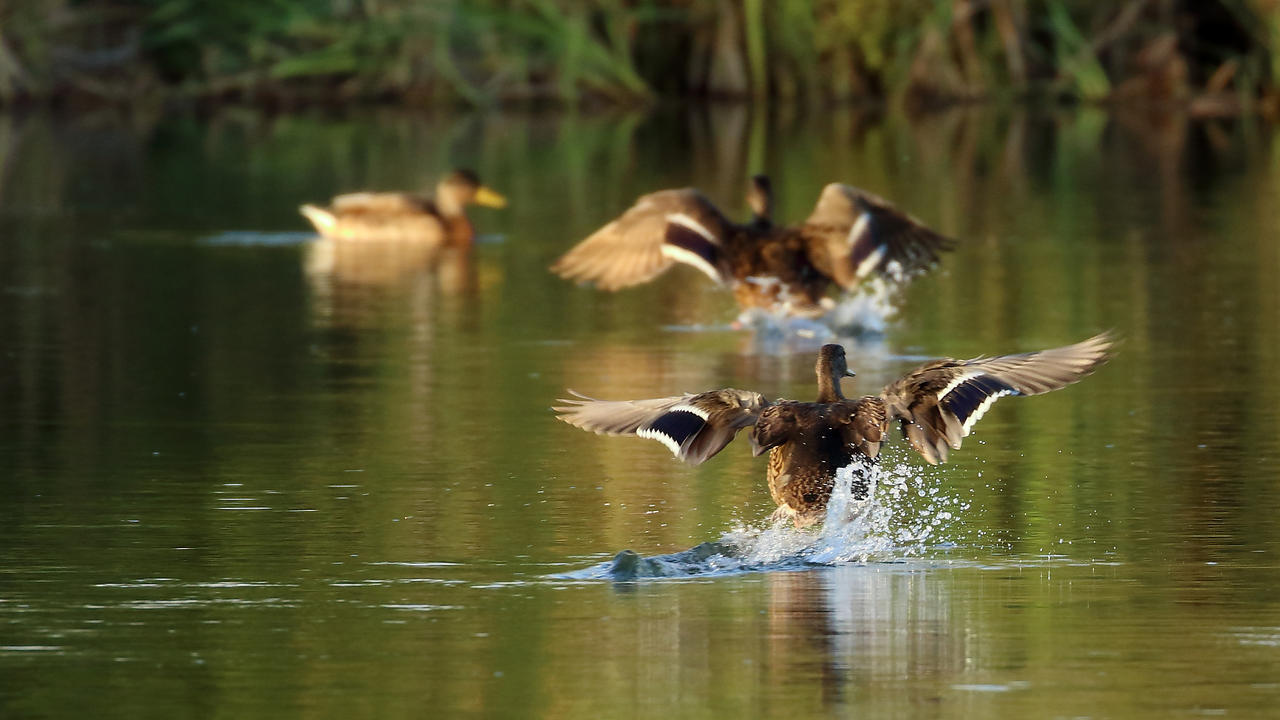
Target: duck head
760, 198
461, 188
830, 368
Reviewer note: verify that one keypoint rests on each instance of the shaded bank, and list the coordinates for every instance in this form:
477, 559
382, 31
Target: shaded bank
1214, 57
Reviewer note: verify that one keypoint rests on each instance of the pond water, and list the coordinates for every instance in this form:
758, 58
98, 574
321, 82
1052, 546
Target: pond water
249, 475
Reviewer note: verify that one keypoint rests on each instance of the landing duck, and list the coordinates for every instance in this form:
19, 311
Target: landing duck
850, 235
395, 216
935, 405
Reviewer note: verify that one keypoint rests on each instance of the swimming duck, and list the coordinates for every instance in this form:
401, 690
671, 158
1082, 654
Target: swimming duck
850, 235
936, 406
440, 220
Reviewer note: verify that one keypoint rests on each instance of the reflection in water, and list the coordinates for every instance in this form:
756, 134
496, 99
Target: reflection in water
339, 492
794, 644
388, 264
862, 625
418, 292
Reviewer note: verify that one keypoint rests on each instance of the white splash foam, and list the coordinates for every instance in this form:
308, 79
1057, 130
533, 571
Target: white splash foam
907, 516
779, 333
865, 312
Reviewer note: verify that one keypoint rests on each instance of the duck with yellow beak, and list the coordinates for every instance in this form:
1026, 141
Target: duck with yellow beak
384, 216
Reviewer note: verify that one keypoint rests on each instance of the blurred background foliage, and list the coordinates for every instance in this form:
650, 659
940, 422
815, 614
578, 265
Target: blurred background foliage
1210, 56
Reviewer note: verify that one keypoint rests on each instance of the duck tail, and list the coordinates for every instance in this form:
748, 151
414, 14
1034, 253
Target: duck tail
324, 220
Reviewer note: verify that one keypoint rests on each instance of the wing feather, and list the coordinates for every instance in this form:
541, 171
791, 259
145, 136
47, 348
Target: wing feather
632, 249
938, 403
381, 203
863, 234
865, 428
692, 427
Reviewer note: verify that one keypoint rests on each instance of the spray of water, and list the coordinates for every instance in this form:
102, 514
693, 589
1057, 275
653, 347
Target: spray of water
862, 315
904, 515
866, 312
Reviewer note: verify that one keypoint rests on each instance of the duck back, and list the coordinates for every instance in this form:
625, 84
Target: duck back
810, 442
772, 266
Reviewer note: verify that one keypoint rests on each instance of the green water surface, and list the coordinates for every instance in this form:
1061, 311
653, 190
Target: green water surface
244, 476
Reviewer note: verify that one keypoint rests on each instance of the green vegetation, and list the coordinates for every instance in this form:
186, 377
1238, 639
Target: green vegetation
1216, 57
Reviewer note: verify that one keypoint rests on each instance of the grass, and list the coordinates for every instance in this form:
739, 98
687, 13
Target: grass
624, 52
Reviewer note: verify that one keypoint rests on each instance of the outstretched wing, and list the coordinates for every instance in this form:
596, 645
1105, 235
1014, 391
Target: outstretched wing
693, 427
939, 402
862, 234
662, 228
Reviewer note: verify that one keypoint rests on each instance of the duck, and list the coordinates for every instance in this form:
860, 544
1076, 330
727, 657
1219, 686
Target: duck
394, 216
935, 406
851, 235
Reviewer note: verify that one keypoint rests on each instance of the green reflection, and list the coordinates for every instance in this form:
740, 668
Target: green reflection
246, 479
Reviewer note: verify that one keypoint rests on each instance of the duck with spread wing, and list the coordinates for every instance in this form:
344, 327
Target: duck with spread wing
936, 405
850, 235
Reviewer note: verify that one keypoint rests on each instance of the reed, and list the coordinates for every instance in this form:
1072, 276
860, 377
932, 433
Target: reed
483, 52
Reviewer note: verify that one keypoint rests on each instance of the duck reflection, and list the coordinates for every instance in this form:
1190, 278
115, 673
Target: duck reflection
384, 304
391, 263
352, 281
856, 625
825, 639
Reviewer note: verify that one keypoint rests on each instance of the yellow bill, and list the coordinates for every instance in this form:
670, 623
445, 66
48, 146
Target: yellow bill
489, 198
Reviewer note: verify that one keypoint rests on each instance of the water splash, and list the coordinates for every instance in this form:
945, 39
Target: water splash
904, 516
858, 317
866, 312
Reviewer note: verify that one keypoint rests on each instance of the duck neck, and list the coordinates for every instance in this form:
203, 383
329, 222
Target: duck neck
760, 198
447, 202
828, 385
460, 230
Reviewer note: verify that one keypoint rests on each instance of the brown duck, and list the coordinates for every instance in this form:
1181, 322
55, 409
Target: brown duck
850, 235
386, 216
936, 405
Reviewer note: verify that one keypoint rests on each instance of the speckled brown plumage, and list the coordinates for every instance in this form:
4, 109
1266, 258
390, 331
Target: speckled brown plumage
809, 442
935, 404
850, 235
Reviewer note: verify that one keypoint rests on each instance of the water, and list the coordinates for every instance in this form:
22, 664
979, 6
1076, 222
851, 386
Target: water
250, 475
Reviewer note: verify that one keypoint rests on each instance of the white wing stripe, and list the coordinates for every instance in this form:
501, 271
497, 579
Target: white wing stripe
679, 254
694, 225
661, 437
859, 227
871, 261
690, 409
963, 377
979, 411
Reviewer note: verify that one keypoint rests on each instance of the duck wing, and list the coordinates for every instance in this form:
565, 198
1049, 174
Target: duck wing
382, 203
856, 233
939, 402
661, 229
693, 427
